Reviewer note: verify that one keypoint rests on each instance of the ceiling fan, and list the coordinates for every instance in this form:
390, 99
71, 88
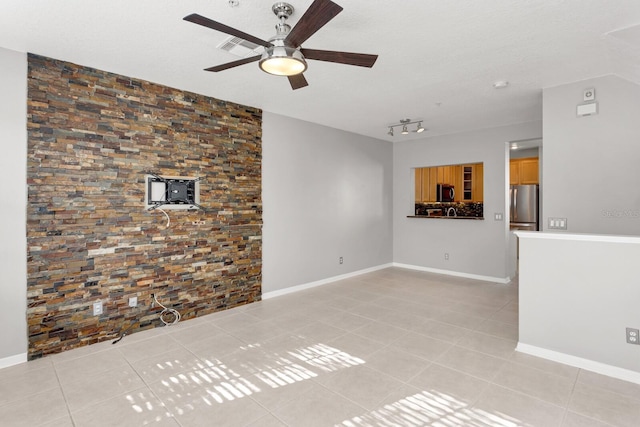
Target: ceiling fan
283, 54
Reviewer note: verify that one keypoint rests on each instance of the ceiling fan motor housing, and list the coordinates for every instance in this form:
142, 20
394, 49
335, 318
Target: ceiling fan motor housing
282, 10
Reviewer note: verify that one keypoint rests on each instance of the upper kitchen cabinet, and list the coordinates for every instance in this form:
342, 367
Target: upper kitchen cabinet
524, 171
529, 171
514, 172
472, 177
418, 185
446, 174
477, 187
429, 184
426, 184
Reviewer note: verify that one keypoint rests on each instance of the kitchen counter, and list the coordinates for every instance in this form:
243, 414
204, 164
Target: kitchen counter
445, 217
463, 210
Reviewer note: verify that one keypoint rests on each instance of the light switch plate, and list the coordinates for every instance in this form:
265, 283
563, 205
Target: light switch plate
497, 216
557, 223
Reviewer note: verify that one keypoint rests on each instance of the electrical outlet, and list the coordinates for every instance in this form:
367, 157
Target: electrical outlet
97, 308
133, 301
341, 260
633, 336
446, 256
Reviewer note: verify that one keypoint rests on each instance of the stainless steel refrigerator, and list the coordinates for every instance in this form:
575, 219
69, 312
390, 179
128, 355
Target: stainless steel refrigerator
523, 207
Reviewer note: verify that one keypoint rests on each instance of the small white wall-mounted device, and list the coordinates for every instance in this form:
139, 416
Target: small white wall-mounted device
171, 192
587, 109
589, 94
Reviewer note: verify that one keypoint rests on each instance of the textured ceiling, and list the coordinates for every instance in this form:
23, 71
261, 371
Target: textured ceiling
437, 59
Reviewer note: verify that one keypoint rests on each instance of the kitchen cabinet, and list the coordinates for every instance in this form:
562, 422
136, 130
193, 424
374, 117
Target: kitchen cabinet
471, 186
425, 184
456, 180
445, 175
529, 171
429, 182
514, 172
477, 188
524, 171
467, 183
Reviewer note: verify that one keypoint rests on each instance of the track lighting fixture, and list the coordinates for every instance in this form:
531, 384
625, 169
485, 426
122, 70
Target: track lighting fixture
404, 123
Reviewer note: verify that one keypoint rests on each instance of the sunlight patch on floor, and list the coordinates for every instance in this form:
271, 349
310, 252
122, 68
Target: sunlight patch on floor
217, 382
431, 408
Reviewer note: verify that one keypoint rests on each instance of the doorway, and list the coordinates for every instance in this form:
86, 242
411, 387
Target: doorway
525, 171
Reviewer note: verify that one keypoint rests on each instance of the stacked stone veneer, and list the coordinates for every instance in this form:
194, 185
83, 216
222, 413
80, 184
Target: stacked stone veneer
92, 137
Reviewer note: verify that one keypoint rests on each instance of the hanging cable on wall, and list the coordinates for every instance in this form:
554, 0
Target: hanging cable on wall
167, 311
165, 214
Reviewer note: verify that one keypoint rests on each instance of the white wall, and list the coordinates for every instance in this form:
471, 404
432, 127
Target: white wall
590, 164
476, 248
13, 207
326, 194
521, 154
578, 293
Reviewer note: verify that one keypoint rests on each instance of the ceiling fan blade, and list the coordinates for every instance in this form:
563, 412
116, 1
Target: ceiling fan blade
319, 13
206, 22
298, 81
234, 64
359, 59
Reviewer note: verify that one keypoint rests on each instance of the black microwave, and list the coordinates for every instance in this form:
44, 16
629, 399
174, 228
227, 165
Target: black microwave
445, 193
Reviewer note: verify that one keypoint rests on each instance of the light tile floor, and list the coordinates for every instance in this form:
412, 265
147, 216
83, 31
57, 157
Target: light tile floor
389, 348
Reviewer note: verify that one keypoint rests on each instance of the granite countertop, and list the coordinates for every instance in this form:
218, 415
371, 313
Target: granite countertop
445, 217
464, 210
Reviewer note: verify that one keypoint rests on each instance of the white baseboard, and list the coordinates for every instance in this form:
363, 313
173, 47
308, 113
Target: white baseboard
504, 280
13, 360
579, 362
304, 286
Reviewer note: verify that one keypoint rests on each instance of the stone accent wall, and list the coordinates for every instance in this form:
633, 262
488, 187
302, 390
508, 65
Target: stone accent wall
92, 137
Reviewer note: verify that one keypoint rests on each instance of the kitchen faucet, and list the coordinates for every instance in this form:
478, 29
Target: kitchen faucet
452, 209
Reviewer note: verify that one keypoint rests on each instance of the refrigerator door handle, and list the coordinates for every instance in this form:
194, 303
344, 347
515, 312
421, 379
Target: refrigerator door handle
515, 204
511, 204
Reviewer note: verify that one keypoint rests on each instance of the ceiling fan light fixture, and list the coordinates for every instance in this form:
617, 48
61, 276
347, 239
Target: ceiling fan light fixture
282, 61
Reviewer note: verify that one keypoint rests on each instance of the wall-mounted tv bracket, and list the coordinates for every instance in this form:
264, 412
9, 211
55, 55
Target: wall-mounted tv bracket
176, 191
